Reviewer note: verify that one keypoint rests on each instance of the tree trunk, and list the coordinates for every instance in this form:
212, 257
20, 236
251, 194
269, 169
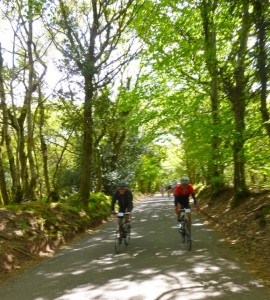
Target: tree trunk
262, 61
87, 151
7, 138
4, 200
21, 153
30, 192
92, 56
98, 168
43, 145
238, 103
208, 13
236, 84
88, 72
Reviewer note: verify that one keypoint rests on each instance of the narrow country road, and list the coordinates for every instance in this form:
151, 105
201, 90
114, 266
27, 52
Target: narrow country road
155, 266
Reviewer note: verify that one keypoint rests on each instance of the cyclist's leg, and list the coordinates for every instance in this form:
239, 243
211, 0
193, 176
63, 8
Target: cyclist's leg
186, 205
182, 205
129, 220
127, 217
127, 228
179, 209
120, 221
189, 221
177, 206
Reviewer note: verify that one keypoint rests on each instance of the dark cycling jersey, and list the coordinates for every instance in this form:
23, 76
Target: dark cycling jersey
125, 201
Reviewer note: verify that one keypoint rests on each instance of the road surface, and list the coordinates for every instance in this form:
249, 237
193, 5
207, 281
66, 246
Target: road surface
155, 266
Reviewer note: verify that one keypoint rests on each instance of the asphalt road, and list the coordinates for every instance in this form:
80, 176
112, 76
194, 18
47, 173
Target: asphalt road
155, 266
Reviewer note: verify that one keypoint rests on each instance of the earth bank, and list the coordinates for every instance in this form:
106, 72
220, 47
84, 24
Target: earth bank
246, 228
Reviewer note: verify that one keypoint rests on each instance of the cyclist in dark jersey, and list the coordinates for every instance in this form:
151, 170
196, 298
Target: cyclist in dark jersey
124, 198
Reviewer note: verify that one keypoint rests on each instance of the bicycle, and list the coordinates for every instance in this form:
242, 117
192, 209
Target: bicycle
123, 231
184, 228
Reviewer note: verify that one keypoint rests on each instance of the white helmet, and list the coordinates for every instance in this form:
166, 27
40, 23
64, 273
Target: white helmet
185, 180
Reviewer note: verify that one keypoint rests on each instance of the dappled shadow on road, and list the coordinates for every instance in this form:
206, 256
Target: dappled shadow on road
154, 266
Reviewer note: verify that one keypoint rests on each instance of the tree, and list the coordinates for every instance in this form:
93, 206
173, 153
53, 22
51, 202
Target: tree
216, 66
262, 23
208, 12
202, 82
235, 86
148, 169
6, 135
93, 39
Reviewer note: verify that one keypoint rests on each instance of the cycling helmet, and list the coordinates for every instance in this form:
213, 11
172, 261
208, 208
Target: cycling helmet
185, 180
122, 184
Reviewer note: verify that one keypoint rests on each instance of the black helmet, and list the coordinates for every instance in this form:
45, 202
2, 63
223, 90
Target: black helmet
122, 184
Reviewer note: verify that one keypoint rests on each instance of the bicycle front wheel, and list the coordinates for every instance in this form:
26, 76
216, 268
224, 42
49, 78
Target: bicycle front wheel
117, 242
182, 232
188, 237
127, 235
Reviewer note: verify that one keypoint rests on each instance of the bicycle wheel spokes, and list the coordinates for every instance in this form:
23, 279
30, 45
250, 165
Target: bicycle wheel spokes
183, 236
117, 243
127, 235
188, 238
182, 231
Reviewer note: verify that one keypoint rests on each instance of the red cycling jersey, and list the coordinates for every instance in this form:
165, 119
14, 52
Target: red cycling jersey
179, 190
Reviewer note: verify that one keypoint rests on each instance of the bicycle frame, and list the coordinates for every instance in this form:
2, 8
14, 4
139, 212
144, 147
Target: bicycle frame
184, 228
122, 230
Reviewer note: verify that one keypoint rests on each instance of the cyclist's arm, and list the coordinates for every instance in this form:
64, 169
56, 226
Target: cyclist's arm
130, 202
194, 199
175, 201
176, 205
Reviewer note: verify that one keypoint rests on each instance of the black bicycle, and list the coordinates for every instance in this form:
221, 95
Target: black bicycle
184, 228
123, 230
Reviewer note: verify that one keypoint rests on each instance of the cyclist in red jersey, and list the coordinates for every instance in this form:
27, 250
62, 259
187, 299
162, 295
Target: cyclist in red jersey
182, 192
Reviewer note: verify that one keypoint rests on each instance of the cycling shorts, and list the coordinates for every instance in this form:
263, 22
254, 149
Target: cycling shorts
182, 200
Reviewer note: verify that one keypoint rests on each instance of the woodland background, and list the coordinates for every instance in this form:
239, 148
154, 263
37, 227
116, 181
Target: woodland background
101, 91
94, 92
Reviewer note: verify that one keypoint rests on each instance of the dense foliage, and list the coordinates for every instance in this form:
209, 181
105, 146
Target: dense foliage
94, 92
